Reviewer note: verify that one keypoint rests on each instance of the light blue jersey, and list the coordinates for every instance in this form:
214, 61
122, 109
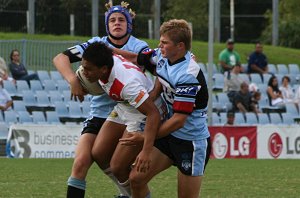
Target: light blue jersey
102, 105
185, 91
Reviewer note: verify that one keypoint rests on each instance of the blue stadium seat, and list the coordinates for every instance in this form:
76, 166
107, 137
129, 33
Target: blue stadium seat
19, 105
251, 118
52, 117
10, 117
75, 110
292, 109
215, 119
287, 118
239, 119
38, 117
275, 118
36, 85
43, 75
85, 105
272, 68
62, 85
203, 67
29, 98
49, 85
263, 118
24, 117
3, 130
55, 75
294, 69
21, 86
245, 77
42, 99
256, 78
55, 96
266, 78
282, 69
10, 87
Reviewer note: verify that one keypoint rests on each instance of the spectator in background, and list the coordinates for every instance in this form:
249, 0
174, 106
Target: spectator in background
229, 58
230, 118
256, 96
274, 94
286, 90
258, 62
18, 70
232, 85
5, 100
4, 72
242, 100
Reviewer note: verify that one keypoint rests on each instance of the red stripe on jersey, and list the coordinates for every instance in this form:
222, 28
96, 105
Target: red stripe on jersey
115, 90
185, 107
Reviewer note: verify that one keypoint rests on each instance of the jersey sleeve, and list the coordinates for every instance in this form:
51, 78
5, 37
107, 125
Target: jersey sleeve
135, 94
185, 94
75, 53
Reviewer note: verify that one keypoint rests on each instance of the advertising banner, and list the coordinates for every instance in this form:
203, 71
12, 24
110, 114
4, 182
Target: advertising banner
43, 141
282, 142
233, 142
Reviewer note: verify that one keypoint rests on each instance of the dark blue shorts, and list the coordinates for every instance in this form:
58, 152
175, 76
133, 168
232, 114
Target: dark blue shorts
92, 125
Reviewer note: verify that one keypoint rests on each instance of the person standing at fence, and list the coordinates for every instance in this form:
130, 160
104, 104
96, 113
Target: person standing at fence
118, 23
18, 69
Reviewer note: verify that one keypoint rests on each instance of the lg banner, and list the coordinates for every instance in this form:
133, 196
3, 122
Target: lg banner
43, 141
233, 142
278, 142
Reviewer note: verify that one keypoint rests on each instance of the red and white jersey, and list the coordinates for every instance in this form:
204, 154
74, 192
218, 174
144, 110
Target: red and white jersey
127, 83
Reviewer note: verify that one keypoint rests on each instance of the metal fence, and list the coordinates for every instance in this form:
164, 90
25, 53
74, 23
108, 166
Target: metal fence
35, 54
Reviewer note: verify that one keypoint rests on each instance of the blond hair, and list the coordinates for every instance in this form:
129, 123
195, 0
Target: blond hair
178, 30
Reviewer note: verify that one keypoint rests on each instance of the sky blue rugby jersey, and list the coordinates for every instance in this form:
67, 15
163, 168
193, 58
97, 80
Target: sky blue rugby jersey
102, 105
185, 91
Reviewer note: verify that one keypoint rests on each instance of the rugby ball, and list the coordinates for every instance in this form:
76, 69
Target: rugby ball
93, 88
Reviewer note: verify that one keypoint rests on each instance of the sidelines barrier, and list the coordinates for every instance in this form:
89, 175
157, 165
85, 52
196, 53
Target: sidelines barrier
261, 142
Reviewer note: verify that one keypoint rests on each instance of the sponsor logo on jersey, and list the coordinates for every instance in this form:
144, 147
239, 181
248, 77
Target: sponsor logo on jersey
187, 90
139, 97
161, 63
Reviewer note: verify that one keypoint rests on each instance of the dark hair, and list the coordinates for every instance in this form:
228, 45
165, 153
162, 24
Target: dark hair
270, 83
286, 77
12, 52
230, 114
99, 54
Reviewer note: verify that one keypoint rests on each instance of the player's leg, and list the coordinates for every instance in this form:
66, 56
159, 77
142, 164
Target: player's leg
83, 158
191, 159
104, 147
139, 181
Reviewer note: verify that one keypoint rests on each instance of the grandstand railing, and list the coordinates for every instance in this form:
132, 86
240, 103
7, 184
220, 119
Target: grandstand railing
35, 54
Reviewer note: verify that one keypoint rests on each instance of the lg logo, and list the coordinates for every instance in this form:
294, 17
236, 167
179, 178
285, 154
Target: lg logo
275, 145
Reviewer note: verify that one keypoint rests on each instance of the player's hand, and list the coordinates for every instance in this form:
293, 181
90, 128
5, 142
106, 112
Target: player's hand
77, 91
143, 161
132, 139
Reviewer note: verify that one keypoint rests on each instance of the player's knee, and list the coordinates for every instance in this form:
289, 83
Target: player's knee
100, 159
137, 180
116, 169
81, 164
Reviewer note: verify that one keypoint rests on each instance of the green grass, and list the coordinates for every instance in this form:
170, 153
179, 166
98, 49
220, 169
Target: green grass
224, 178
276, 55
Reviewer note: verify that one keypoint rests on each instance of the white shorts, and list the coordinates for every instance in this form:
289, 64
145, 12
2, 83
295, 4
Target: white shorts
126, 114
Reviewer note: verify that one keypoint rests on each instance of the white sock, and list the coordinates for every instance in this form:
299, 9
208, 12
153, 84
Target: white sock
122, 190
126, 186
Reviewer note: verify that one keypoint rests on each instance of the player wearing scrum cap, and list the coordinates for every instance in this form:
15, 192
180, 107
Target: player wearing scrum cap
118, 22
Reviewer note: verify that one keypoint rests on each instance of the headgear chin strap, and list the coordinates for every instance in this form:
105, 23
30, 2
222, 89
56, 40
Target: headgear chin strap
123, 11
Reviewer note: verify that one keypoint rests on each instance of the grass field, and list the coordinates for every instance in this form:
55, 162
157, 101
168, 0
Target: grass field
43, 178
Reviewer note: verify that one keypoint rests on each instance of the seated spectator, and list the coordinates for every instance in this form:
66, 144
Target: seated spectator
258, 62
4, 72
286, 90
242, 100
229, 58
297, 96
232, 85
230, 118
274, 94
5, 100
18, 70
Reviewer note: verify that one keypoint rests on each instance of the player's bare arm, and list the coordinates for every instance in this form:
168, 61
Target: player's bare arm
151, 127
63, 65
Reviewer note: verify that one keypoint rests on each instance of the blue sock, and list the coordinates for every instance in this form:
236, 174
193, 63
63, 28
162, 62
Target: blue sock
77, 183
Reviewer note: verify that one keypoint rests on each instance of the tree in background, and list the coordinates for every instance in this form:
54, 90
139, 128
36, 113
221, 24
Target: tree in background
289, 24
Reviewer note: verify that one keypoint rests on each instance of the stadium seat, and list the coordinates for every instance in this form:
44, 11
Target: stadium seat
263, 118
38, 117
256, 78
62, 85
245, 77
36, 85
292, 109
10, 87
282, 69
275, 118
262, 88
3, 130
42, 99
49, 85
266, 78
67, 95
55, 75
215, 119
251, 118
294, 69
287, 118
55, 96
279, 78
24, 117
1, 118
239, 119
29, 98
61, 109
19, 105
272, 68
43, 75
75, 110
218, 81
10, 117
52, 117
21, 86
